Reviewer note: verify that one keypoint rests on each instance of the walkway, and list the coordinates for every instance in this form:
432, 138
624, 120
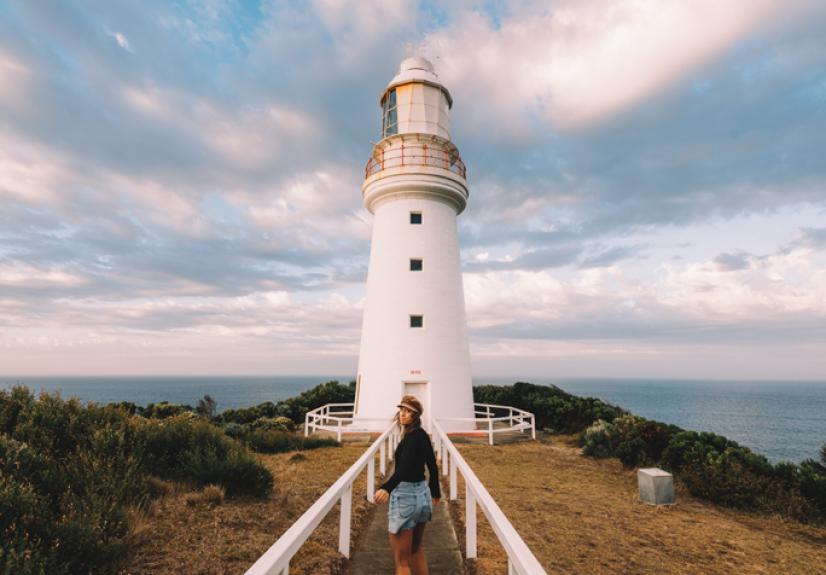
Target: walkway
373, 555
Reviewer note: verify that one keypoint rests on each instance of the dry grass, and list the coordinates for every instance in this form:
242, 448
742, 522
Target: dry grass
580, 515
209, 495
213, 540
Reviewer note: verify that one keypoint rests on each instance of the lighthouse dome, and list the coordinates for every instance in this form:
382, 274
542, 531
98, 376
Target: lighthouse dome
416, 63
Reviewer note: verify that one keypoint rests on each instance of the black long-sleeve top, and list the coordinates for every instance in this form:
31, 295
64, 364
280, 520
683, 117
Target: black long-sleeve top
412, 454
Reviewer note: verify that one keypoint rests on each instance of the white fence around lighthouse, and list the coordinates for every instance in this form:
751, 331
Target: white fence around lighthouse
338, 418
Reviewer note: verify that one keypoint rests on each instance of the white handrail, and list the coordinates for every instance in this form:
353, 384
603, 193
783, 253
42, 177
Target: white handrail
276, 560
520, 558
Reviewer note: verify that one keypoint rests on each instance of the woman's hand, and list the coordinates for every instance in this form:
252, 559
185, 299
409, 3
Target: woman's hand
381, 496
436, 501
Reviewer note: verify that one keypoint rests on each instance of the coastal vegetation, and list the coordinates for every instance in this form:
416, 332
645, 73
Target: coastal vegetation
79, 482
710, 466
76, 479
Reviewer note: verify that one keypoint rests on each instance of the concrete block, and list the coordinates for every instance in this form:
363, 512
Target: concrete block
656, 486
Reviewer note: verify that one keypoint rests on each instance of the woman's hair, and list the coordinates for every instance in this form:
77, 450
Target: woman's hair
415, 407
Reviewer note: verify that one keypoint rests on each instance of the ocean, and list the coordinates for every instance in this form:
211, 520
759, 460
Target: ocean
783, 420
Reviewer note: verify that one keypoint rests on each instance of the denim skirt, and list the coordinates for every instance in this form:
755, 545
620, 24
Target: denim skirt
410, 504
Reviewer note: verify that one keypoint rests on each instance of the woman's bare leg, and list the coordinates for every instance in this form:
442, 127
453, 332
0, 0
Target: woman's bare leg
401, 545
417, 559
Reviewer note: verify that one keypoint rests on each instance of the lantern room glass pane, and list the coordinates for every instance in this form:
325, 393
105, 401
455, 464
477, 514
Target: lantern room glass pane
390, 121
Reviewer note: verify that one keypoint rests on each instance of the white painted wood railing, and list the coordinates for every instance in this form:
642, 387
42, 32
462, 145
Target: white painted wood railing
276, 561
521, 560
517, 420
338, 418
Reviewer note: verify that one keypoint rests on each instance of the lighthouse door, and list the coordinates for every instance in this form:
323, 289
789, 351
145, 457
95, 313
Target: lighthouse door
421, 391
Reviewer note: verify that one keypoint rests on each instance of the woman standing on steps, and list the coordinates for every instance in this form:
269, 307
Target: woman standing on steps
411, 499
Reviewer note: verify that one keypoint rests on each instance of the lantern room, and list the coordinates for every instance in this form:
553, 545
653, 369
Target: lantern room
415, 101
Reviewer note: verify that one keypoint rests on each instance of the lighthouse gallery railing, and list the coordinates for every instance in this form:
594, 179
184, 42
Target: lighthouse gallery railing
416, 155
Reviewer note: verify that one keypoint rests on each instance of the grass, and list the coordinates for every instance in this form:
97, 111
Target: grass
581, 515
179, 537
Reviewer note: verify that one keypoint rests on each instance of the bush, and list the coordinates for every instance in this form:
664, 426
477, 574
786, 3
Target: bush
183, 449
270, 441
235, 430
331, 392
552, 407
596, 441
273, 424
70, 473
164, 410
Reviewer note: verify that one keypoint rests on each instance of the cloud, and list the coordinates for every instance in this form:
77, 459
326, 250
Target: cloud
582, 62
121, 40
192, 198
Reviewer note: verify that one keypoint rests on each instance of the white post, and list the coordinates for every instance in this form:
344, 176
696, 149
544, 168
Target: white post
306, 425
470, 522
490, 432
453, 474
382, 459
371, 477
533, 427
344, 521
445, 461
438, 446
338, 435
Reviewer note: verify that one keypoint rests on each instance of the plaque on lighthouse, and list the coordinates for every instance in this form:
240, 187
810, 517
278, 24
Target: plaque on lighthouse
414, 333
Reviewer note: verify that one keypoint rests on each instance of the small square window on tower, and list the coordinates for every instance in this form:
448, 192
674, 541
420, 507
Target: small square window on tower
415, 264
416, 321
415, 217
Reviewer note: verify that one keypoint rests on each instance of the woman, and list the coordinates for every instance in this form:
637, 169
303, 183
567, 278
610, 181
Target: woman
411, 499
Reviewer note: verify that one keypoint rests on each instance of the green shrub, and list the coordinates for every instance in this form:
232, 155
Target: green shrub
813, 482
330, 392
552, 407
596, 441
235, 430
164, 410
273, 423
69, 473
270, 441
246, 415
183, 449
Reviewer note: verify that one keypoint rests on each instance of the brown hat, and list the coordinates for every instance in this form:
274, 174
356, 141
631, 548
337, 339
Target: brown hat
411, 403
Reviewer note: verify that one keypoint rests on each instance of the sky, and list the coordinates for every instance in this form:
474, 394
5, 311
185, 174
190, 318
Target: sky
180, 183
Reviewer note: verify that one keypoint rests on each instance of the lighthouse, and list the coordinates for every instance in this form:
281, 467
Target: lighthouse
414, 333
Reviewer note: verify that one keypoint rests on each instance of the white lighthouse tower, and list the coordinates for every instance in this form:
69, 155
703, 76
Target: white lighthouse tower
414, 336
